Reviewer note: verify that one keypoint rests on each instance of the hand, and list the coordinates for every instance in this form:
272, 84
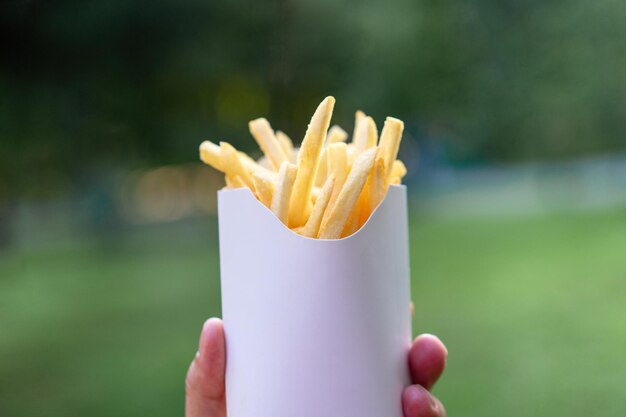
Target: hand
205, 379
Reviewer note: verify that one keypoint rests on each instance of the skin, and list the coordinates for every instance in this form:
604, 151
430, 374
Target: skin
205, 392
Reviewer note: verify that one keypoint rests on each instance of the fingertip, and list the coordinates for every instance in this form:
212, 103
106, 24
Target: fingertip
212, 338
418, 402
431, 339
427, 360
211, 331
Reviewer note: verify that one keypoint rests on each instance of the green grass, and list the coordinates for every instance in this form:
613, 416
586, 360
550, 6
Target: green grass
531, 310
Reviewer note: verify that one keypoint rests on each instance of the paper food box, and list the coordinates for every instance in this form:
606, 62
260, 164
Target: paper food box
315, 326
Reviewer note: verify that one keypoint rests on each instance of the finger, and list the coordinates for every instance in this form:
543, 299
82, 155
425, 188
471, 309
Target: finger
427, 360
205, 390
418, 402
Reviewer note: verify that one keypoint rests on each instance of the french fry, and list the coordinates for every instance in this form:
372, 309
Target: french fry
390, 142
325, 189
312, 225
315, 193
322, 169
372, 133
210, 155
337, 163
358, 116
232, 164
376, 187
264, 135
308, 160
365, 134
252, 166
287, 145
336, 134
332, 226
352, 224
284, 188
264, 162
234, 182
398, 169
264, 186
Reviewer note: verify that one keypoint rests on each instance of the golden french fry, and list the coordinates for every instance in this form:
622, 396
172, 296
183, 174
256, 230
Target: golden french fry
280, 202
332, 226
390, 142
265, 162
352, 224
265, 187
377, 186
358, 116
327, 201
233, 166
234, 182
372, 133
322, 169
287, 145
308, 160
315, 219
253, 166
365, 134
336, 134
337, 162
315, 193
264, 135
210, 155
398, 169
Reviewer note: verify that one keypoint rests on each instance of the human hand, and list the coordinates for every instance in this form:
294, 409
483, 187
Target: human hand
206, 392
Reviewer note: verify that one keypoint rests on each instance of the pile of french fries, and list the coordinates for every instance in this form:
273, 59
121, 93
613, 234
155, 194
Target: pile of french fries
327, 188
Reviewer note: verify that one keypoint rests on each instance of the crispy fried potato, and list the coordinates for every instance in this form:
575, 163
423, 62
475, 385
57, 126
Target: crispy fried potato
287, 145
322, 169
372, 133
398, 169
264, 186
337, 165
376, 186
264, 135
210, 155
336, 134
327, 188
390, 142
234, 182
253, 166
332, 226
312, 225
358, 116
365, 134
284, 188
308, 160
352, 224
232, 164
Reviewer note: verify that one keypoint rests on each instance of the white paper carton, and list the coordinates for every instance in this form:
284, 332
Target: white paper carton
314, 328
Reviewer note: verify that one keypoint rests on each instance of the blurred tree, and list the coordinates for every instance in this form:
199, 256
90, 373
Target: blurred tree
135, 83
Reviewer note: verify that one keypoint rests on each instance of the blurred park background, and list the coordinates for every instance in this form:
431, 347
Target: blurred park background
515, 117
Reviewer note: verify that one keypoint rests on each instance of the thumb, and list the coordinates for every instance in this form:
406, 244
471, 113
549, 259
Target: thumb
205, 390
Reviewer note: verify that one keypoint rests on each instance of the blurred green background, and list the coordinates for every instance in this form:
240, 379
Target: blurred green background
515, 117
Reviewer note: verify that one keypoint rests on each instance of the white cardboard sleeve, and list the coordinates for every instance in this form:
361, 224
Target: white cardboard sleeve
314, 328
